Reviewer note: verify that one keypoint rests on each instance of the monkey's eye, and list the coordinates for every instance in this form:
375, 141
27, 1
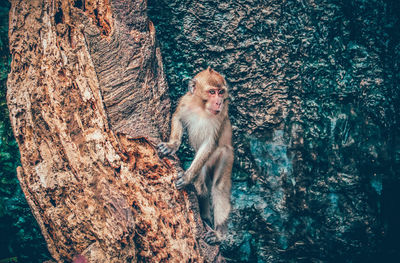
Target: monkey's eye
212, 92
222, 91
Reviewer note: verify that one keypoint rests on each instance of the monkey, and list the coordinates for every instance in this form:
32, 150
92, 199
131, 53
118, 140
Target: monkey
203, 112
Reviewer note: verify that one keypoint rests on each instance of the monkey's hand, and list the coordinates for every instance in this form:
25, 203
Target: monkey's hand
180, 182
167, 148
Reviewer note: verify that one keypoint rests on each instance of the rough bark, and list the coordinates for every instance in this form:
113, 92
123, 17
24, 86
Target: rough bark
83, 73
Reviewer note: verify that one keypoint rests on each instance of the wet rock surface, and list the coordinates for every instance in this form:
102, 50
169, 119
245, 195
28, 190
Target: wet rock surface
314, 87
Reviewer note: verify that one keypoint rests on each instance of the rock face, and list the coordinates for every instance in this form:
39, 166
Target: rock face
314, 88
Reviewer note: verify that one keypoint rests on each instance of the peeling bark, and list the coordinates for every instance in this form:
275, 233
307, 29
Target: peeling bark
86, 93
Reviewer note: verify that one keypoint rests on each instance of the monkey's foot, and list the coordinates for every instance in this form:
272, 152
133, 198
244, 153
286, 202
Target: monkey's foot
180, 181
211, 238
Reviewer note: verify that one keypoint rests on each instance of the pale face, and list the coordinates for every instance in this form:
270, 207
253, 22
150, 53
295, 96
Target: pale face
215, 100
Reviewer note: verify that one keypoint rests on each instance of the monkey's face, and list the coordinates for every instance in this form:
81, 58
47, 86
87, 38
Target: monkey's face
214, 99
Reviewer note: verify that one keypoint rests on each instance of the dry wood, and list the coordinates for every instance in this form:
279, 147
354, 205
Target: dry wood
83, 73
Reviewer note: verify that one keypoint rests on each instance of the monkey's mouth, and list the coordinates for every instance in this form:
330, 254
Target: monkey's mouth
215, 112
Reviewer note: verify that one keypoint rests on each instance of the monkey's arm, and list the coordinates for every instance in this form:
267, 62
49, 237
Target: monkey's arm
200, 159
168, 148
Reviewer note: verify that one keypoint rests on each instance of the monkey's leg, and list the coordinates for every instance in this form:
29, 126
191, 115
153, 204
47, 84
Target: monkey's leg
221, 186
202, 185
220, 193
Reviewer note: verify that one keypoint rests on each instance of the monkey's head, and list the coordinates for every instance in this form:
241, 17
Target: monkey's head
211, 87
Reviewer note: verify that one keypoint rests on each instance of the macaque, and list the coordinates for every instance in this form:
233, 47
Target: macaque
203, 112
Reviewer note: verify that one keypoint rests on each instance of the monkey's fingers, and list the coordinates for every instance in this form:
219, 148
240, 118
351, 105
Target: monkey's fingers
164, 149
180, 181
160, 146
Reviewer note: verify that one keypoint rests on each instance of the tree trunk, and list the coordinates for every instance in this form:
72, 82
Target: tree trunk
87, 99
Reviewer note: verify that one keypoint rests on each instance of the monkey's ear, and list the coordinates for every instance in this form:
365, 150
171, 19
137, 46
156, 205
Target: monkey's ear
209, 69
192, 85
